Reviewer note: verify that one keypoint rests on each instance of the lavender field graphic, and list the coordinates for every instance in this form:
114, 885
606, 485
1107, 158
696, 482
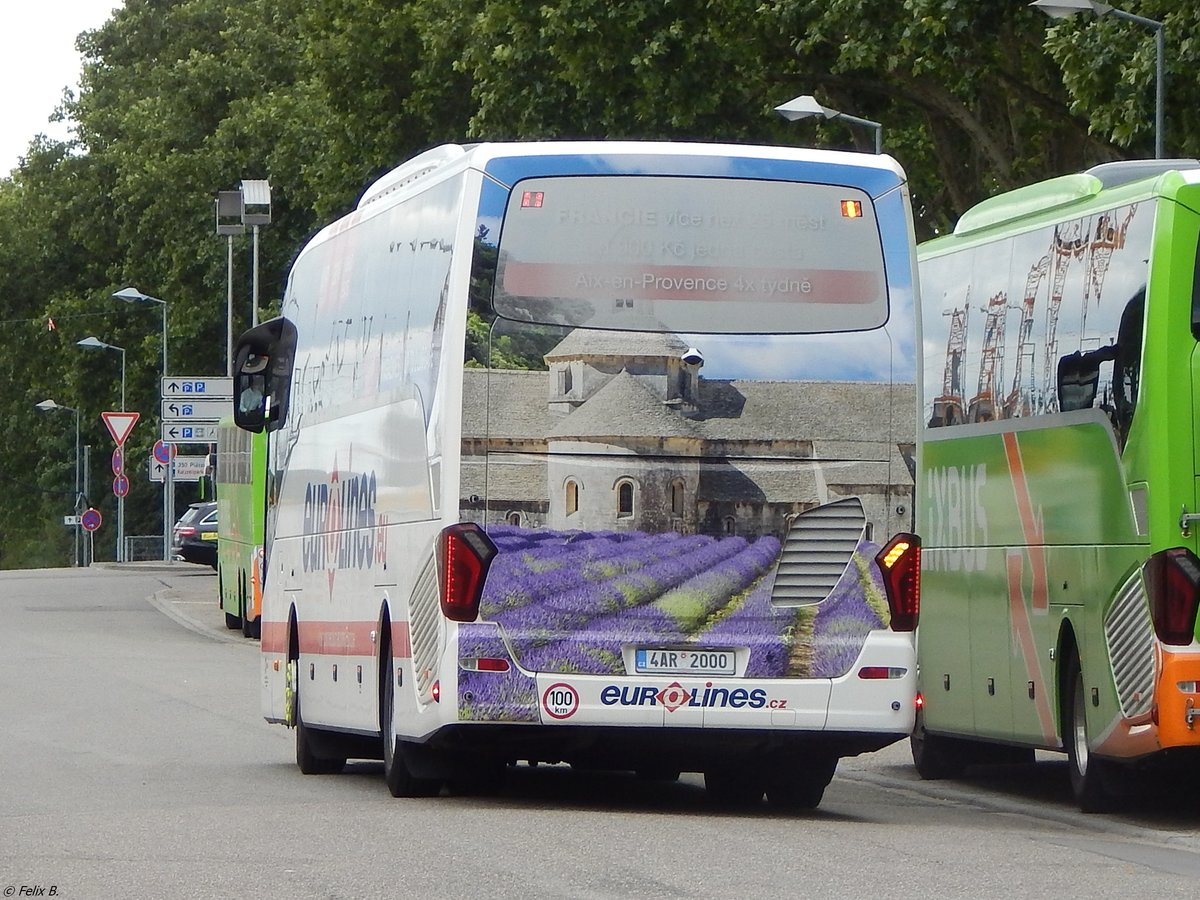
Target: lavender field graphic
566, 603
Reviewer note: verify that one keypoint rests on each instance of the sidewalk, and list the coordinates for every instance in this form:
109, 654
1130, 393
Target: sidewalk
190, 596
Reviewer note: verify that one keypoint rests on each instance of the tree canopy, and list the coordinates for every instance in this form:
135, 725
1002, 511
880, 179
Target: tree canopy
180, 99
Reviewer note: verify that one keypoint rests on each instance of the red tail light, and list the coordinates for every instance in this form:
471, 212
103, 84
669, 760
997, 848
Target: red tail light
1172, 579
900, 564
464, 554
875, 673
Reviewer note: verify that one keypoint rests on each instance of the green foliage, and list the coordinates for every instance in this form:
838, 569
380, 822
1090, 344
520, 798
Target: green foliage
182, 98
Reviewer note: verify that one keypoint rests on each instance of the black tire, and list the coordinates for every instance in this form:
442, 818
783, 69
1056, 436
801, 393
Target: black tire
1088, 773
734, 787
306, 756
800, 784
934, 756
400, 781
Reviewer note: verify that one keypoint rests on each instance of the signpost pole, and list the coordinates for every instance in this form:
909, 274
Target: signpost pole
87, 480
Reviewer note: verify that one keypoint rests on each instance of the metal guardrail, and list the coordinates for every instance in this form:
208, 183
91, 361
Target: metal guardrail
139, 547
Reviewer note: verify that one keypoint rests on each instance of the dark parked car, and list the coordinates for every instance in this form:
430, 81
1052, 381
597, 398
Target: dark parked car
194, 538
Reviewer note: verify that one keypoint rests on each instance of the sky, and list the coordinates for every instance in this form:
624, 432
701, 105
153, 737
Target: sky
37, 60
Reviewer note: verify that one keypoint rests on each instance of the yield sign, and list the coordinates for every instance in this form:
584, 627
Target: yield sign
119, 424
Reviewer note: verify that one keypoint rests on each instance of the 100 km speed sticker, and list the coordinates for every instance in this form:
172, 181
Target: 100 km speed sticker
560, 701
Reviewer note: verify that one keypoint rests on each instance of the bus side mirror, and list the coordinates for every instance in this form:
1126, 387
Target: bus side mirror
1078, 377
262, 375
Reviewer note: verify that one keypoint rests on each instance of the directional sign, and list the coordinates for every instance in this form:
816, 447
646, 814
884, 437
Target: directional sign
91, 519
194, 387
119, 424
71, 520
187, 468
210, 410
175, 433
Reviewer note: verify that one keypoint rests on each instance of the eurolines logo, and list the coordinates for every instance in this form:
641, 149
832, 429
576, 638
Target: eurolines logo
675, 696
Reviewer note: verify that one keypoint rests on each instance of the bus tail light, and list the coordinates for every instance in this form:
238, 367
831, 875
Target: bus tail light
900, 564
875, 673
1172, 579
464, 554
483, 664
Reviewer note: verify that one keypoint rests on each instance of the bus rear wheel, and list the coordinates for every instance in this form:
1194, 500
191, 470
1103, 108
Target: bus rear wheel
400, 780
1088, 773
800, 784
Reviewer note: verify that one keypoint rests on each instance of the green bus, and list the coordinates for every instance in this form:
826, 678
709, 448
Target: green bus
1058, 479
241, 478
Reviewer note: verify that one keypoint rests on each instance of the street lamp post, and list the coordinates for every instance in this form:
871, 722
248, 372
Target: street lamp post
133, 295
229, 224
1061, 9
49, 406
806, 105
96, 343
256, 210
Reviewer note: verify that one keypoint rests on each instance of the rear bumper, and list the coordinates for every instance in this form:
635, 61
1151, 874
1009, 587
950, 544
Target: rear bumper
684, 749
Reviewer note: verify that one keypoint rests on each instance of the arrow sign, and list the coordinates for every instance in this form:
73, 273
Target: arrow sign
194, 387
209, 410
175, 433
119, 424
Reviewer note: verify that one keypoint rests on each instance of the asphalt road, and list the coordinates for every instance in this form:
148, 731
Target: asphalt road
134, 763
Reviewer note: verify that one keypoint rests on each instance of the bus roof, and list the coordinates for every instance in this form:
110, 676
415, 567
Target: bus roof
451, 157
1068, 196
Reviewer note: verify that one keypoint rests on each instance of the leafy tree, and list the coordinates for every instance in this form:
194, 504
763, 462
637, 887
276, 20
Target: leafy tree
181, 98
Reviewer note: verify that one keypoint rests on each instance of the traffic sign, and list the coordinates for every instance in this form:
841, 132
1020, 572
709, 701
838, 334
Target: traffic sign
187, 468
193, 387
118, 461
121, 485
164, 452
208, 410
71, 520
175, 433
119, 424
91, 519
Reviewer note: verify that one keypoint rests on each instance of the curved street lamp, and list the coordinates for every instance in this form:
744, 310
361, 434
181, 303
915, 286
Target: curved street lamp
1062, 9
133, 295
804, 106
94, 343
49, 405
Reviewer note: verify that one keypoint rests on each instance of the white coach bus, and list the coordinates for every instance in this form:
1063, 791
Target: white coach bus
597, 453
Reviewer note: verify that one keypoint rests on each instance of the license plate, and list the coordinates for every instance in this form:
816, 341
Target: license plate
667, 661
